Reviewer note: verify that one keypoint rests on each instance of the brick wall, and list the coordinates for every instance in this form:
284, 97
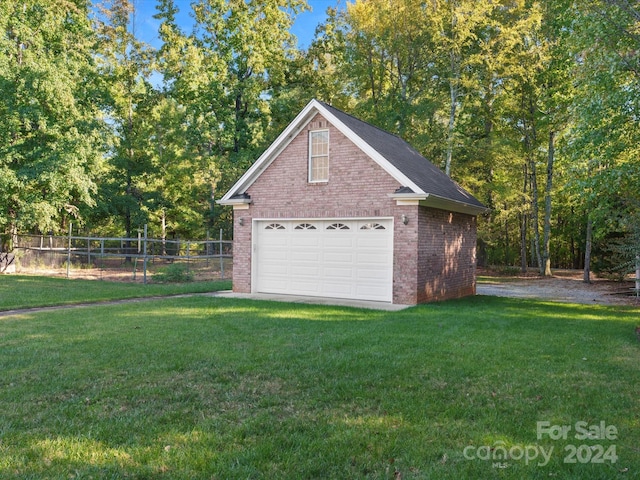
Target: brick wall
446, 255
357, 187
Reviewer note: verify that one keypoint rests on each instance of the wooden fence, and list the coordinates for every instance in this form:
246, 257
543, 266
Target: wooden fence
111, 257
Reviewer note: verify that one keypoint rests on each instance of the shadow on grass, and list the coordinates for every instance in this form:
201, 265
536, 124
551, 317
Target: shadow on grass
207, 387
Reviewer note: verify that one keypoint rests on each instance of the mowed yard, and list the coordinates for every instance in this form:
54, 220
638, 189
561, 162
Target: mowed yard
216, 388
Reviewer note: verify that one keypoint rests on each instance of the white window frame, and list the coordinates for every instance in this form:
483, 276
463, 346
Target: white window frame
313, 157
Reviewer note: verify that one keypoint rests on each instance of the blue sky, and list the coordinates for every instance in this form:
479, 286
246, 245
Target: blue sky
146, 27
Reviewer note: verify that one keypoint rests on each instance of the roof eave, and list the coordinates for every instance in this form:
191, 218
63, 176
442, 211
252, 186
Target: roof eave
435, 201
234, 201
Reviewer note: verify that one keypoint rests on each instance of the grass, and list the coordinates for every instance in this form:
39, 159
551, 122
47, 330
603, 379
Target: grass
22, 291
222, 388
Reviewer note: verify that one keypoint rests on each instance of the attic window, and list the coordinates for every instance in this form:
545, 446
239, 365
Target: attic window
319, 156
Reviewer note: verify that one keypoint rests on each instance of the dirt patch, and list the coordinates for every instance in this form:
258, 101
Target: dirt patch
130, 273
564, 286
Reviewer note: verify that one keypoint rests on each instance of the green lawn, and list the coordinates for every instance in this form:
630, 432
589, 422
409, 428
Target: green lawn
220, 388
23, 291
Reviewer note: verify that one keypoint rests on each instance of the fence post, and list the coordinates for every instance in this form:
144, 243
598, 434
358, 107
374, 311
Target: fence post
221, 259
207, 247
101, 256
637, 277
144, 258
69, 250
188, 255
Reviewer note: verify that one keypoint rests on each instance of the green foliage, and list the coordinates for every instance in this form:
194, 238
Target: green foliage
50, 127
174, 273
98, 128
217, 80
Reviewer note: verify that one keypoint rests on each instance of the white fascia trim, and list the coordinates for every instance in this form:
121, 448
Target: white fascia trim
270, 154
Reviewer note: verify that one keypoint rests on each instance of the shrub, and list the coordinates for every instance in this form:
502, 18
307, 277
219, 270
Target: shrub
174, 273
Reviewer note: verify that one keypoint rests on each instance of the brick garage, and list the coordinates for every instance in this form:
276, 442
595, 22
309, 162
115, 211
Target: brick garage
337, 207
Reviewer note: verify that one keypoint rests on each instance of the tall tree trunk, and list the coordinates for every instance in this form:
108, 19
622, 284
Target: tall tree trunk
587, 252
13, 236
535, 212
372, 79
164, 231
637, 276
238, 115
506, 242
453, 90
523, 224
545, 269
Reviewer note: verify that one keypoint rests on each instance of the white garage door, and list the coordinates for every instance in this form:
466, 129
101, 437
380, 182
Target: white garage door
326, 258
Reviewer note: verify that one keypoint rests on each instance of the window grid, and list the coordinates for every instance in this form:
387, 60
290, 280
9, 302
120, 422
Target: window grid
275, 226
338, 226
305, 226
372, 226
319, 156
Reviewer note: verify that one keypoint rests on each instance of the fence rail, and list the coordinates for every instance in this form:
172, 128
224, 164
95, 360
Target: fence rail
106, 257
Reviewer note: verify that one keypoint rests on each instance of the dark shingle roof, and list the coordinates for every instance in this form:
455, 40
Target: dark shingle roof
406, 159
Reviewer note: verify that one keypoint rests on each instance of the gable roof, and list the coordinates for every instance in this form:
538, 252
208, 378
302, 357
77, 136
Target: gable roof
420, 179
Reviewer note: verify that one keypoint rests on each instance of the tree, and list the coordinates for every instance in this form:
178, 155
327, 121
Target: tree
606, 106
51, 135
126, 65
222, 77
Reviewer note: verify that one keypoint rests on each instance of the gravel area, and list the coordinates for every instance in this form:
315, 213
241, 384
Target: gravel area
564, 286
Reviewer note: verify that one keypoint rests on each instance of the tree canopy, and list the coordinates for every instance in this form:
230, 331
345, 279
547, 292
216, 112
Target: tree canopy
533, 106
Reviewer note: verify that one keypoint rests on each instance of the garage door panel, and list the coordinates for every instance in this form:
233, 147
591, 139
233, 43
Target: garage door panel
275, 268
304, 240
305, 256
371, 274
338, 241
365, 258
311, 271
337, 272
370, 291
274, 254
369, 240
338, 257
343, 261
274, 238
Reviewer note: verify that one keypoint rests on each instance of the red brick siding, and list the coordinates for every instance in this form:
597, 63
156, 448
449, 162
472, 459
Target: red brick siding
405, 256
446, 255
242, 255
357, 187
